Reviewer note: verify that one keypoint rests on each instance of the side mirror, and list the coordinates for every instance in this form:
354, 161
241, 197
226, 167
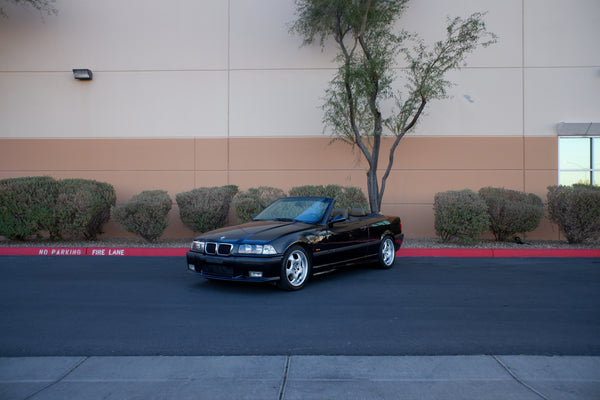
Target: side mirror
338, 218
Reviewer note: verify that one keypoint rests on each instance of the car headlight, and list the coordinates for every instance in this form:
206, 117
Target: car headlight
198, 246
259, 249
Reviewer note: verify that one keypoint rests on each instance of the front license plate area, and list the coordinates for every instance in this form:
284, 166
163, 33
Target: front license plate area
219, 270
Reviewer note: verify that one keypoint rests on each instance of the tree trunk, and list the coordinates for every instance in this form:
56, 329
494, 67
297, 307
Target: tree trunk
373, 189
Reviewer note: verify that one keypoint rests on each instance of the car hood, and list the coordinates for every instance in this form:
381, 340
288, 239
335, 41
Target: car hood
256, 231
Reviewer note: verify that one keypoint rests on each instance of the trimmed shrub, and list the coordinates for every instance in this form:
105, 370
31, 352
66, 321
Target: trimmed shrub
27, 206
248, 204
352, 197
205, 209
576, 210
145, 214
82, 207
511, 211
460, 215
346, 197
333, 191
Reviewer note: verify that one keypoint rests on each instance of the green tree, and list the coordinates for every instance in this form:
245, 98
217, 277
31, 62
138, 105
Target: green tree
368, 50
43, 6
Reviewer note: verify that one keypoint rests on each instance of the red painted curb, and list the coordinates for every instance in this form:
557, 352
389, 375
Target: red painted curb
445, 253
546, 252
403, 252
43, 251
496, 253
93, 251
138, 252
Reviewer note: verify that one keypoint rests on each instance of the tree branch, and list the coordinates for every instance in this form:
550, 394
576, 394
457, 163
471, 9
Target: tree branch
363, 26
416, 116
348, 88
395, 145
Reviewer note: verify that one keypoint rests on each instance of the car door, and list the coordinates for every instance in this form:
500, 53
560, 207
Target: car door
341, 242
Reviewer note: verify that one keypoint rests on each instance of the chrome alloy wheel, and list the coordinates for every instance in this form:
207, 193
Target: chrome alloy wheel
387, 252
296, 268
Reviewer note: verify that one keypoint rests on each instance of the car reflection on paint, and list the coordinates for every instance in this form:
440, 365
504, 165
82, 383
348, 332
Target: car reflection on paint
294, 238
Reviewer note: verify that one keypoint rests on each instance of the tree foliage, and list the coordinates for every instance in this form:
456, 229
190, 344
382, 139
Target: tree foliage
43, 6
368, 51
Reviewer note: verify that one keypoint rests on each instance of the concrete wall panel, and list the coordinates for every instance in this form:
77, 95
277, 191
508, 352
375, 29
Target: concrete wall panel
428, 18
114, 104
553, 95
309, 154
113, 35
419, 187
562, 33
417, 219
541, 153
458, 153
211, 155
482, 102
277, 103
261, 40
97, 155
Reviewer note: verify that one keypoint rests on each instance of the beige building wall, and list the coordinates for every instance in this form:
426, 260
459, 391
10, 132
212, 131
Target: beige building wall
204, 93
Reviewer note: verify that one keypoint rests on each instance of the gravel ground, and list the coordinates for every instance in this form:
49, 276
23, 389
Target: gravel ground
408, 243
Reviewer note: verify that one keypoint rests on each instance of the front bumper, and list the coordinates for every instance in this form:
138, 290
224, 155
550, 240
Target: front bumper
235, 268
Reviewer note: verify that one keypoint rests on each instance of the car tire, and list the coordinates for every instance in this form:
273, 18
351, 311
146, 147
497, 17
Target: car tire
387, 253
295, 268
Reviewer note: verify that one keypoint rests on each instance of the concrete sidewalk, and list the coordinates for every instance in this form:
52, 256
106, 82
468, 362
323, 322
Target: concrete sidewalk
301, 377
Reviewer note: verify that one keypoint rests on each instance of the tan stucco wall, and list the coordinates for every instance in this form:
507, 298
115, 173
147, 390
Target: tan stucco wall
423, 167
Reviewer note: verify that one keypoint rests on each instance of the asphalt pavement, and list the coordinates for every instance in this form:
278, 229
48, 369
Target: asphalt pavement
461, 287
149, 306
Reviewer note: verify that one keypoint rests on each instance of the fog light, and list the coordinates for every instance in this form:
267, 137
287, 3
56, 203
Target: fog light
191, 267
255, 274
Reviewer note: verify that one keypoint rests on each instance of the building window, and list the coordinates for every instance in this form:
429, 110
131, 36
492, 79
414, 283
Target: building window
579, 160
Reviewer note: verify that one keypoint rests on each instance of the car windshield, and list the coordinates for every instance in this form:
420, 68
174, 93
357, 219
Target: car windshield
310, 210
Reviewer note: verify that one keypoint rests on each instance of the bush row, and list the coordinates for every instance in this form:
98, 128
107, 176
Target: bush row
34, 206
77, 208
465, 215
207, 208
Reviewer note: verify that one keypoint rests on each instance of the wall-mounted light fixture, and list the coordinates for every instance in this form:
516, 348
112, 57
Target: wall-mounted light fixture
82, 74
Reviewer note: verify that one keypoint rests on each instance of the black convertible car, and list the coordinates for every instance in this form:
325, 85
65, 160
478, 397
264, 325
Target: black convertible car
294, 238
